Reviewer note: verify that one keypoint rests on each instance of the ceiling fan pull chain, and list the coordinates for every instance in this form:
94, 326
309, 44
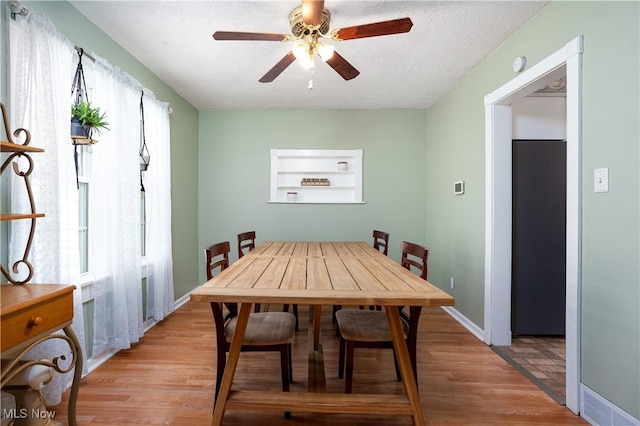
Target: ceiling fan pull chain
310, 84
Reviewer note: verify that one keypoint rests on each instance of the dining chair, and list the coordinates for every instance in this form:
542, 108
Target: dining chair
360, 328
381, 240
247, 241
266, 331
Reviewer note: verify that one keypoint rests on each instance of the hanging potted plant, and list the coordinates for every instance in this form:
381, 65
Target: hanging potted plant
85, 120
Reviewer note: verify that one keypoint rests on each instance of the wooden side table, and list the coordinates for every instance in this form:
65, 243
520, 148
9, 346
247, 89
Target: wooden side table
31, 314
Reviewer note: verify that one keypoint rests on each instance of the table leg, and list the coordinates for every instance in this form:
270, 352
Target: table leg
77, 375
316, 378
317, 323
232, 363
404, 362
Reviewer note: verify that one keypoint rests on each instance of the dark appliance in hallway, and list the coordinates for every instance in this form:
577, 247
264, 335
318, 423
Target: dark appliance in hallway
538, 290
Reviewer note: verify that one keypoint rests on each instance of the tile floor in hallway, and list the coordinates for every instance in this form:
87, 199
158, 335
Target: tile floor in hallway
541, 359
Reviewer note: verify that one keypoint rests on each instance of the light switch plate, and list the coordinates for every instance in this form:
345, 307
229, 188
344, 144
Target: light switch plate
601, 180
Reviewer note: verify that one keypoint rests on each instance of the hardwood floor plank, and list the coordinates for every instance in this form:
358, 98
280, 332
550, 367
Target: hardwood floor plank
169, 378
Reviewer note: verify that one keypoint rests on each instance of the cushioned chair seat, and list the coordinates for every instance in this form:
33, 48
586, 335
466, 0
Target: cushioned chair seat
265, 328
365, 326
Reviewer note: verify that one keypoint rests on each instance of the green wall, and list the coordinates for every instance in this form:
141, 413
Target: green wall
610, 306
234, 175
184, 134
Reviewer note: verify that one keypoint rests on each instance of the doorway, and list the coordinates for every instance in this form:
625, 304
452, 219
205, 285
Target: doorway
498, 217
538, 272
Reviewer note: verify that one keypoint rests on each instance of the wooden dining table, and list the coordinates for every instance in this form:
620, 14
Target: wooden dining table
320, 274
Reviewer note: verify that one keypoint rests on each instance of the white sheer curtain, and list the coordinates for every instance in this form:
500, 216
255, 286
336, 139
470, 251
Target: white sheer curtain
157, 181
40, 103
43, 66
116, 252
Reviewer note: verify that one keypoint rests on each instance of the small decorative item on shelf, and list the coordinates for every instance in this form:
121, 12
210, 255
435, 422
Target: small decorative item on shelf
343, 166
292, 196
315, 182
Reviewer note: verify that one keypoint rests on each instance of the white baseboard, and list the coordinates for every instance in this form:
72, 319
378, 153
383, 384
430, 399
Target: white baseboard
97, 362
599, 411
184, 299
466, 322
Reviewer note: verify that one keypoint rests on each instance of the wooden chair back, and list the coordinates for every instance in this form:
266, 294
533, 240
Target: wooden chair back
217, 256
414, 255
381, 240
246, 241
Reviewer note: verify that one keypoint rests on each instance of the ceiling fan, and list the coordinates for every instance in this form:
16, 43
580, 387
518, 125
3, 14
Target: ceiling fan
309, 27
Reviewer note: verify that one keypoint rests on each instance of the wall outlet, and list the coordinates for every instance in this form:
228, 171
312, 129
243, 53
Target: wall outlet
452, 283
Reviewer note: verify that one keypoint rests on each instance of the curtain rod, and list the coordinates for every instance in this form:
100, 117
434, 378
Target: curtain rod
84, 53
17, 8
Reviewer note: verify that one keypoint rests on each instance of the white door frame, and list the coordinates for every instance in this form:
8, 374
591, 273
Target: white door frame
498, 201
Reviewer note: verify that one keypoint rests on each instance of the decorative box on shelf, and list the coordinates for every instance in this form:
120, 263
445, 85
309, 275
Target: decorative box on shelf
315, 182
317, 176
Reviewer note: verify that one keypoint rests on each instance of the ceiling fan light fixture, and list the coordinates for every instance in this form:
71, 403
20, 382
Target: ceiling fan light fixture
325, 51
300, 49
304, 54
306, 62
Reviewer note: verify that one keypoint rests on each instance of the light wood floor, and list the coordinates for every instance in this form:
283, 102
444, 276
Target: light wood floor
168, 379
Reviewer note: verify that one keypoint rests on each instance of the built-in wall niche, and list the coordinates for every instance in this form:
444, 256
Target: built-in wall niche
329, 176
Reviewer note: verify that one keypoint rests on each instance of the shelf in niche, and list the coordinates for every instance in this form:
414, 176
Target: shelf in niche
327, 187
289, 166
316, 172
317, 202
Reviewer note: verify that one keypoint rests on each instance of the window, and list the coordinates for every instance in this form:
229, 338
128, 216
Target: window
84, 174
143, 223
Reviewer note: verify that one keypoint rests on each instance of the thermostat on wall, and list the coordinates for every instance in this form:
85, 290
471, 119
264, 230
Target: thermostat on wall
458, 187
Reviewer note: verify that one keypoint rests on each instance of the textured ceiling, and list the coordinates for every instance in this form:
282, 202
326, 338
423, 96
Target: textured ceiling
412, 70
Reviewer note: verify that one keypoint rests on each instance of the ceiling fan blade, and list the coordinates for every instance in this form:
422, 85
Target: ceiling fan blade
342, 66
395, 26
235, 35
278, 68
312, 12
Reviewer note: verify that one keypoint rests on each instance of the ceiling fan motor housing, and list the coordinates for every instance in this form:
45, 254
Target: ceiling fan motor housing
299, 29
